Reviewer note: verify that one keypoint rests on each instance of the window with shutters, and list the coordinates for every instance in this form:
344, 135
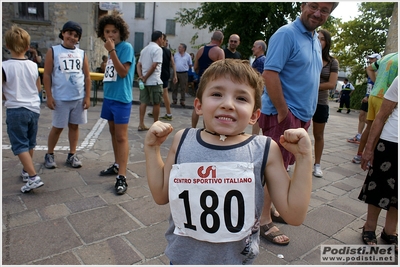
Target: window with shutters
139, 10
139, 41
170, 27
31, 11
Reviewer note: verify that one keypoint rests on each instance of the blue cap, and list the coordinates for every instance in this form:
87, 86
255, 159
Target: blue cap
72, 26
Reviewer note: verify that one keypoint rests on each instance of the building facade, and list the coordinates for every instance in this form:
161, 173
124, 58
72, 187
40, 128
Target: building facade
145, 17
44, 20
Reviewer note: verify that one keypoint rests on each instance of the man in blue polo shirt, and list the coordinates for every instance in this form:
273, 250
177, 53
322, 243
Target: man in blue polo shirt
292, 71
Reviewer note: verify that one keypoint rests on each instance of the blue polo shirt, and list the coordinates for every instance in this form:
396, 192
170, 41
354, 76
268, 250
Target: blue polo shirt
296, 55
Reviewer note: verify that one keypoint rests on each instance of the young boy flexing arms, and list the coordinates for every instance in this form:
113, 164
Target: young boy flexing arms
213, 178
21, 87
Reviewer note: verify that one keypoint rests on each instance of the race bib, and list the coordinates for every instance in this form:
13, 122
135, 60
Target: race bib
110, 75
70, 62
213, 201
369, 88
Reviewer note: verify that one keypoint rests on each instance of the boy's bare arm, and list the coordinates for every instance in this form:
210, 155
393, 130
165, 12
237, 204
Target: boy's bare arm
88, 82
157, 171
175, 78
48, 69
3, 81
291, 196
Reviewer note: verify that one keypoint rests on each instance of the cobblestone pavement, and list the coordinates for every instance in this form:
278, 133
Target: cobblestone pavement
76, 218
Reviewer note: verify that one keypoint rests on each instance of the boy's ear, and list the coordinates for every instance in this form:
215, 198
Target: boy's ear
198, 106
254, 117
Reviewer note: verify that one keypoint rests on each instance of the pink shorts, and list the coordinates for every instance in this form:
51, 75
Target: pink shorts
270, 127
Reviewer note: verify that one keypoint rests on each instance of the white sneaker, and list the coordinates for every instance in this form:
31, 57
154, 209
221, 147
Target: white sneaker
24, 176
74, 161
32, 184
317, 171
49, 162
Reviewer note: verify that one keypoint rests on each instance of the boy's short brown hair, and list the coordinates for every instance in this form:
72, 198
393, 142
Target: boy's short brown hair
239, 71
17, 39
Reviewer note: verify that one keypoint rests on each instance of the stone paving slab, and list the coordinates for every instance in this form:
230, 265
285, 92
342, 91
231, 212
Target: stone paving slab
67, 258
114, 251
38, 240
98, 224
319, 218
299, 244
77, 219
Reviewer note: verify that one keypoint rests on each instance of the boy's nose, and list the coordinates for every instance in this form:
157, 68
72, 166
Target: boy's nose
227, 103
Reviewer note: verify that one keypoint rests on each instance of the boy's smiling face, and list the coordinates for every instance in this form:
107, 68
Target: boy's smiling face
227, 107
70, 38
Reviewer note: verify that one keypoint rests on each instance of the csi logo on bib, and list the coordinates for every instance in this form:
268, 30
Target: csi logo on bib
213, 201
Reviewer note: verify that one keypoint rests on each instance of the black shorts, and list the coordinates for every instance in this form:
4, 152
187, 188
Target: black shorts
321, 114
165, 82
364, 106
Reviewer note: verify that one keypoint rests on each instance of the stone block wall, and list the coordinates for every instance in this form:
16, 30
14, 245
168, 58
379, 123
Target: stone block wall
45, 33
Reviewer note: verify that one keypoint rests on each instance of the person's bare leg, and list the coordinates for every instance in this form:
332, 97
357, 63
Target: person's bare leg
142, 111
52, 140
372, 219
266, 216
27, 163
122, 144
167, 103
111, 126
318, 132
391, 221
156, 112
73, 137
362, 120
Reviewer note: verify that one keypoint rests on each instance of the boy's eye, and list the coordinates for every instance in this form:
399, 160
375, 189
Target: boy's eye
216, 94
241, 98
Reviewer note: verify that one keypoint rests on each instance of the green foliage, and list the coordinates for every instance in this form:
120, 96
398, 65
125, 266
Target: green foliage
251, 21
358, 95
362, 36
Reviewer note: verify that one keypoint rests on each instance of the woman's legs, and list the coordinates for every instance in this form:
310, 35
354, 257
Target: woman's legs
318, 132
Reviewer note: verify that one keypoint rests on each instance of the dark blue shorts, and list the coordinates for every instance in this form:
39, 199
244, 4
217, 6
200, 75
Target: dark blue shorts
22, 128
116, 111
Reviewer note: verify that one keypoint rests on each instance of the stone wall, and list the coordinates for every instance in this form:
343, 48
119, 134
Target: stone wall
46, 33
392, 44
